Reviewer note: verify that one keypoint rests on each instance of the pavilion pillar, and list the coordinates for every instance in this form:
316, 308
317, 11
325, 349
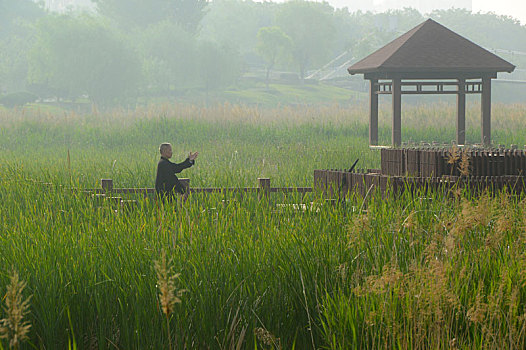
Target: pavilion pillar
461, 112
397, 112
373, 113
485, 103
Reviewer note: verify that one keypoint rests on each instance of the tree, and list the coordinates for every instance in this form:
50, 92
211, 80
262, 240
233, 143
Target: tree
13, 62
141, 13
168, 56
16, 38
272, 45
188, 13
236, 23
364, 33
217, 65
311, 28
11, 11
487, 29
74, 56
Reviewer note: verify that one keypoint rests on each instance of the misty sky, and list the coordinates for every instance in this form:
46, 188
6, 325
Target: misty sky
514, 8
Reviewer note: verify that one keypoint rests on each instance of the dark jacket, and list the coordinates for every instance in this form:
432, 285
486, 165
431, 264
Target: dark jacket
166, 183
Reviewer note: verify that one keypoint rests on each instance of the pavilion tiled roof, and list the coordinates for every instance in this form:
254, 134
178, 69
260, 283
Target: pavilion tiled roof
432, 48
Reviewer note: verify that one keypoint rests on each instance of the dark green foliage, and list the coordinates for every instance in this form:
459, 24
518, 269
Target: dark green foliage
310, 26
140, 13
83, 56
274, 46
161, 49
17, 99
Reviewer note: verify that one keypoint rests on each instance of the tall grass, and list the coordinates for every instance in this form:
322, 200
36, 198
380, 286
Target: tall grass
413, 272
435, 275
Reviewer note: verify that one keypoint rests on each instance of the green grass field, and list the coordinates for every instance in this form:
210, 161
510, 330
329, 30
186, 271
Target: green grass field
412, 272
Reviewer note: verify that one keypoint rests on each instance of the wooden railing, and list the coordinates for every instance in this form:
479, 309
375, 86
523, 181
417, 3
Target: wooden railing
108, 193
341, 183
436, 162
263, 188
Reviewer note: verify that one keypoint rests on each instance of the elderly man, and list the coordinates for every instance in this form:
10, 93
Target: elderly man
166, 183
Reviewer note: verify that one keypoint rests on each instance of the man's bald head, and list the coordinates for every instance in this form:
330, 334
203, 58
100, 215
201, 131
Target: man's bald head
166, 150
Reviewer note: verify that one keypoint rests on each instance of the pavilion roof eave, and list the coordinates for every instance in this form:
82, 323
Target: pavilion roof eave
427, 74
430, 49
432, 70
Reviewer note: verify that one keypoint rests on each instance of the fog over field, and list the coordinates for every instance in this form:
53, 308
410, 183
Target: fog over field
309, 217
108, 53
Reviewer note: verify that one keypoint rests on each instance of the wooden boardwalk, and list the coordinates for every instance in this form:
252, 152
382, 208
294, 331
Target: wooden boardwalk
430, 169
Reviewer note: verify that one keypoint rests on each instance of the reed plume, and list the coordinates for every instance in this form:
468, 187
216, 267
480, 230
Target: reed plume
463, 167
454, 155
168, 293
267, 338
14, 327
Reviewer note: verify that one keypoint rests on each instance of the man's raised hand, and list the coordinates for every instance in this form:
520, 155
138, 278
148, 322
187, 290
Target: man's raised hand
193, 156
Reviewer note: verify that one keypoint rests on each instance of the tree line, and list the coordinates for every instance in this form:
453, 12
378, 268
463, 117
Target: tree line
130, 49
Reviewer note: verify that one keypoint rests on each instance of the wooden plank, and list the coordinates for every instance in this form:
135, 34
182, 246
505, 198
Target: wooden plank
516, 162
507, 162
486, 111
106, 185
232, 190
373, 113
134, 190
461, 112
423, 162
397, 113
291, 189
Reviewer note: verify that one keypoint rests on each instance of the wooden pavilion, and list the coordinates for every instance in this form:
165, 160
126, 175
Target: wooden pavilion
430, 59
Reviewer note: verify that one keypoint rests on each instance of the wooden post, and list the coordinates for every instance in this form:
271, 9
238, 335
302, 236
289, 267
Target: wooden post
186, 185
107, 185
319, 180
115, 201
373, 113
98, 199
397, 112
485, 103
461, 112
264, 187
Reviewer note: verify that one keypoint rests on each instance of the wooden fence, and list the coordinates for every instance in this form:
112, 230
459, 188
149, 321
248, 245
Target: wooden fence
435, 162
340, 183
403, 169
430, 169
107, 192
263, 188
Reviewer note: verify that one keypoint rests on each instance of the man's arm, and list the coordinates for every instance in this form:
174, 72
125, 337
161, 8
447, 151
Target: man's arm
178, 167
